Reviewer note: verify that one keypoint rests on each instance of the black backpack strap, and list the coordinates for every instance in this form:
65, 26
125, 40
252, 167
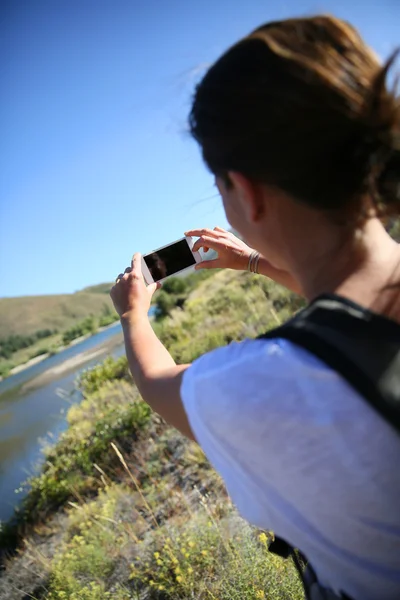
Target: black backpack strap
362, 346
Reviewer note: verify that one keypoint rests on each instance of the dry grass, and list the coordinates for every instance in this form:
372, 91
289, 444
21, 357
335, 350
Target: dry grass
147, 516
27, 314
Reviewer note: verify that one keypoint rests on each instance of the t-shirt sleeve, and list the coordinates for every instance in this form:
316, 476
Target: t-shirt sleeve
223, 396
224, 390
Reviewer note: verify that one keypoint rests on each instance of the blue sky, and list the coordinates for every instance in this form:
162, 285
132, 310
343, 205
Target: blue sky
96, 162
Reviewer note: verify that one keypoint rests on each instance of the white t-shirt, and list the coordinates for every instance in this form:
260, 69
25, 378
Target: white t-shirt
302, 454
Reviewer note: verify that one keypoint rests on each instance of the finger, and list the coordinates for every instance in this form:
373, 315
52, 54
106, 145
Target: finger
136, 263
128, 269
208, 264
220, 229
213, 243
120, 276
153, 287
200, 232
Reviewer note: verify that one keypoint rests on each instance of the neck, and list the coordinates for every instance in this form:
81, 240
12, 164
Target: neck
356, 264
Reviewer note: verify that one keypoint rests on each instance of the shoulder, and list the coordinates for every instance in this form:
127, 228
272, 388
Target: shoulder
241, 381
259, 356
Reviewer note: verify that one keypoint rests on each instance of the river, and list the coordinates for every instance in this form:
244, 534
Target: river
33, 407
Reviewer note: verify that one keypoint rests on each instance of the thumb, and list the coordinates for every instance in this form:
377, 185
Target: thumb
153, 287
208, 264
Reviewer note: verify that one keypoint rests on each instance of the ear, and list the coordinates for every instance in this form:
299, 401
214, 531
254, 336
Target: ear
249, 195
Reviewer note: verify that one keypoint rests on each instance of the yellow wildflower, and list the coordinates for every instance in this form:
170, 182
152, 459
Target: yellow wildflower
177, 570
263, 538
260, 594
190, 570
160, 587
156, 555
204, 552
179, 578
191, 544
159, 562
151, 582
187, 554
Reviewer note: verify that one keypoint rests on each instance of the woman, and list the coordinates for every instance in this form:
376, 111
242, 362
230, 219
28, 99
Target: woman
303, 137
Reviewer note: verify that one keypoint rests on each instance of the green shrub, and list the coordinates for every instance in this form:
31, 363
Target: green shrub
203, 559
85, 327
106, 320
394, 228
40, 352
5, 368
82, 567
13, 343
110, 369
175, 285
164, 303
113, 414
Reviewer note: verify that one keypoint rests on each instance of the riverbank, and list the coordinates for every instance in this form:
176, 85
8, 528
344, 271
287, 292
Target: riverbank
125, 507
73, 363
37, 359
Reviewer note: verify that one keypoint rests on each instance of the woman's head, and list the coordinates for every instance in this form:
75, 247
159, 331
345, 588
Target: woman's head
301, 106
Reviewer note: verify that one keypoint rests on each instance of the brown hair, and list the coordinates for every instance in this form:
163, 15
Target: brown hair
303, 104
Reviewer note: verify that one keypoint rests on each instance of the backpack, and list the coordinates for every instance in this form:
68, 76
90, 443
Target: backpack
364, 348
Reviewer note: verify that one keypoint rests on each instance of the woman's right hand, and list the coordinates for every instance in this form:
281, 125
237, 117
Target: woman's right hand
232, 252
235, 254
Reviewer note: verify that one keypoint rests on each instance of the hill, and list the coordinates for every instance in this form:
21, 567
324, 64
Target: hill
27, 314
101, 288
124, 506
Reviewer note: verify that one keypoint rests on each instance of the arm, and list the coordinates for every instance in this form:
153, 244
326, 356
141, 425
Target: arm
233, 253
154, 371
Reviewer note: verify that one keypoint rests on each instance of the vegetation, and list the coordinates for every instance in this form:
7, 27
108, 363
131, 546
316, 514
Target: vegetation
86, 327
393, 228
27, 315
12, 343
175, 290
17, 349
101, 288
124, 506
5, 368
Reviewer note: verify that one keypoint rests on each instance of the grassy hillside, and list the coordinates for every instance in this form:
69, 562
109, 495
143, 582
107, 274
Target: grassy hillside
101, 288
125, 507
27, 314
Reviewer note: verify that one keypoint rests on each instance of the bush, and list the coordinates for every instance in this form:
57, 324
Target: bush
91, 380
40, 352
175, 285
5, 368
394, 228
175, 290
203, 558
114, 414
85, 327
164, 303
13, 343
106, 320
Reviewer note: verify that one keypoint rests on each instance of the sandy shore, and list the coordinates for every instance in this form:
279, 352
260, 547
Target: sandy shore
30, 363
38, 359
73, 363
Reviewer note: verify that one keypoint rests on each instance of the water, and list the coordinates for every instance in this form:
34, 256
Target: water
33, 406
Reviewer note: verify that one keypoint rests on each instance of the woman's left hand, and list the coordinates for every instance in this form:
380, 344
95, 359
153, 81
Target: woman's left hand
130, 295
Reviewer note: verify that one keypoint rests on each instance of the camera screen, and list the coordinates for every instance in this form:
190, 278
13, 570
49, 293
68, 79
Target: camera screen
169, 260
